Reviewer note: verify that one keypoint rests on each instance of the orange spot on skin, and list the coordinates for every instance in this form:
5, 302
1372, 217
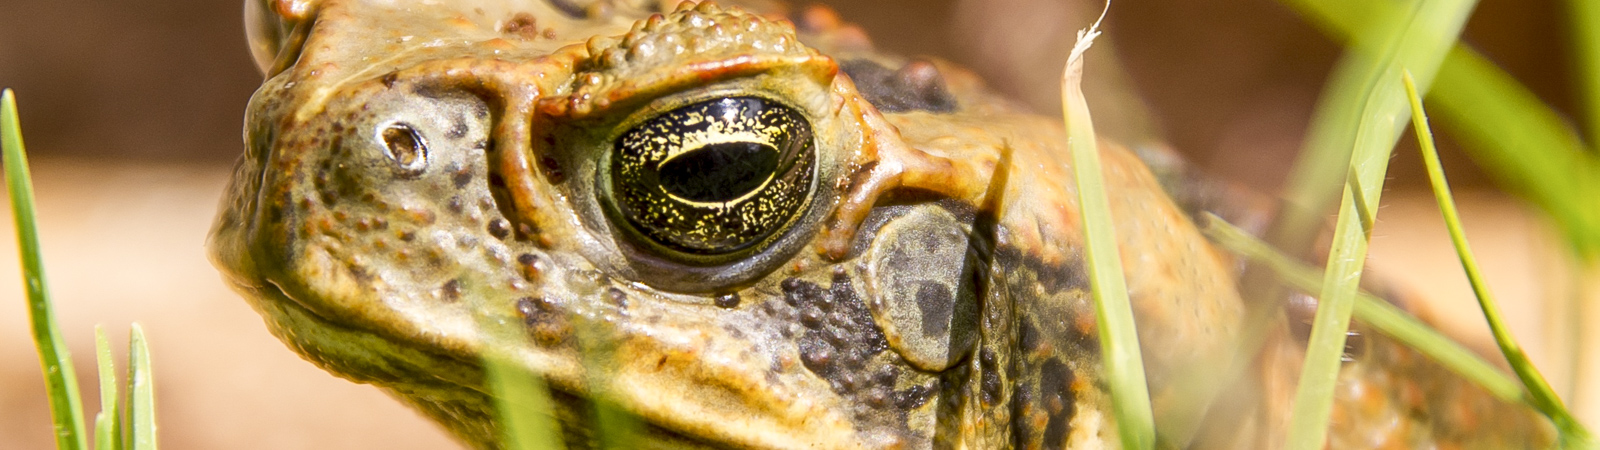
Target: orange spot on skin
1085, 325
1080, 384
499, 44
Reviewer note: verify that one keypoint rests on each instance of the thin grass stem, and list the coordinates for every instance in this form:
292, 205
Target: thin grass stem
1543, 397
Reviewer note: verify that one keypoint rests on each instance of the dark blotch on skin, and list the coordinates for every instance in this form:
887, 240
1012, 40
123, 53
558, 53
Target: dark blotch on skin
530, 266
934, 300
461, 175
791, 286
816, 354
840, 335
527, 232
1053, 278
523, 25
618, 298
915, 87
362, 276
990, 382
1028, 336
552, 170
1021, 427
913, 397
500, 228
544, 321
1055, 382
457, 130
728, 300
332, 180
371, 223
451, 291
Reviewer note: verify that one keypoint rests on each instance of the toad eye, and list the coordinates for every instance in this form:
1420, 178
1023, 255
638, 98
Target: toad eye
715, 177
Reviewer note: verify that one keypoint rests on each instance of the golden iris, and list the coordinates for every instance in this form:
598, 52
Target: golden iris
714, 177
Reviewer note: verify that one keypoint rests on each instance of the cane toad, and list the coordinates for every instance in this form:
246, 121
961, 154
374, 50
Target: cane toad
743, 227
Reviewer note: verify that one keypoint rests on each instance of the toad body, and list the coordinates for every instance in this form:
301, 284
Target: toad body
741, 227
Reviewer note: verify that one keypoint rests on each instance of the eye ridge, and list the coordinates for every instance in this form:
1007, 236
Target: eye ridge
715, 177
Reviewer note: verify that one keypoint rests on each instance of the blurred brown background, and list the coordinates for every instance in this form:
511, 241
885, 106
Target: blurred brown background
133, 110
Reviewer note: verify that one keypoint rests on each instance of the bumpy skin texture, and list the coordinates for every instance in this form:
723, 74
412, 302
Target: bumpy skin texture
420, 174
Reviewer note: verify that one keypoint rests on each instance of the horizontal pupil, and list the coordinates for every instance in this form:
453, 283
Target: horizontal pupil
718, 172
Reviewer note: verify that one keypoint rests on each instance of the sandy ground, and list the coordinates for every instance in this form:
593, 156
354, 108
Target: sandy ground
124, 243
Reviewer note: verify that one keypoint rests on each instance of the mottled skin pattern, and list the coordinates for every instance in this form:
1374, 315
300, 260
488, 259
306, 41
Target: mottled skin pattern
930, 293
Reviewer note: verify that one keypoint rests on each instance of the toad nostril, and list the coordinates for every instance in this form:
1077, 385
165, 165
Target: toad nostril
405, 147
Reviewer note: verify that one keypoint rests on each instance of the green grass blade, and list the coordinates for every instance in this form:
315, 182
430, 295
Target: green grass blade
1119, 341
1528, 148
527, 413
141, 418
1531, 151
105, 432
1584, 16
60, 380
1416, 35
106, 425
1375, 312
1324, 350
615, 428
1364, 93
524, 406
1543, 397
1523, 143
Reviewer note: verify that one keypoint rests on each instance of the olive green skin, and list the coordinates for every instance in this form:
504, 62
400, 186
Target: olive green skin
929, 291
